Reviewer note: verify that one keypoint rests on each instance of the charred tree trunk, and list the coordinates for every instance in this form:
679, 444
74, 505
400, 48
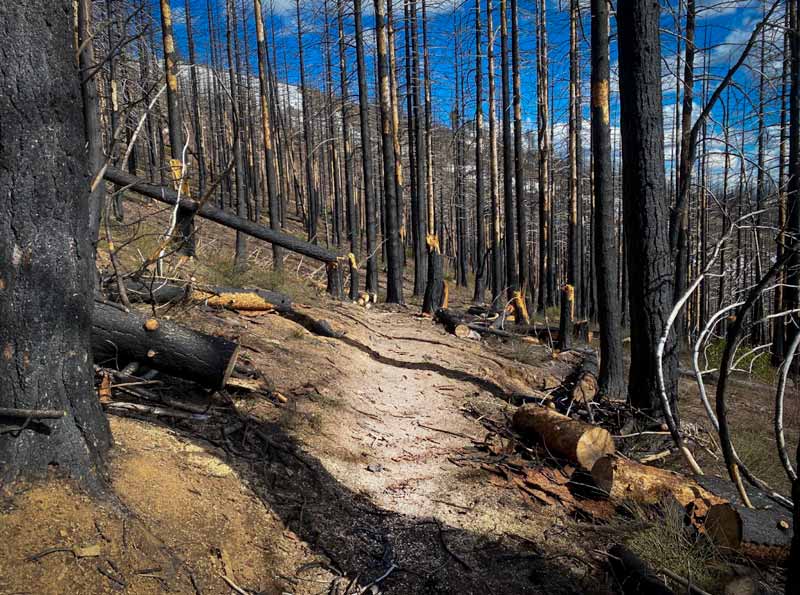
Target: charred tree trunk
350, 206
91, 119
423, 227
434, 286
120, 338
240, 255
266, 126
394, 248
546, 270
370, 212
311, 190
177, 140
497, 257
512, 278
645, 202
574, 256
679, 218
198, 130
46, 256
480, 228
519, 180
793, 267
612, 370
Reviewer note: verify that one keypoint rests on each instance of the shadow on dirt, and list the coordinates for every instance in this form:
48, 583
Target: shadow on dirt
361, 542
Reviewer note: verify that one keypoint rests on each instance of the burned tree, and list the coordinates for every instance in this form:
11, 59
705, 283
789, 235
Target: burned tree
46, 263
611, 380
650, 269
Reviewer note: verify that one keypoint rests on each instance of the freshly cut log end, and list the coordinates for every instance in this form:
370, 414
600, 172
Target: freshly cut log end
759, 533
576, 441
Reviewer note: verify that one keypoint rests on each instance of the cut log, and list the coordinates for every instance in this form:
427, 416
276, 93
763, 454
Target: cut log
119, 338
585, 386
625, 480
763, 534
576, 441
453, 322
212, 213
633, 575
160, 291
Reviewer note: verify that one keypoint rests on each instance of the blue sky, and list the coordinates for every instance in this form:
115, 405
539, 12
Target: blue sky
722, 26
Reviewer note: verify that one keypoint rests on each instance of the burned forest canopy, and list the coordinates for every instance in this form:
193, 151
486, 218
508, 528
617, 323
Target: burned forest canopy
617, 181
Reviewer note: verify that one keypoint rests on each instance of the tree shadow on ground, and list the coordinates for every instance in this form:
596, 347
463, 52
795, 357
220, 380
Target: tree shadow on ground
361, 542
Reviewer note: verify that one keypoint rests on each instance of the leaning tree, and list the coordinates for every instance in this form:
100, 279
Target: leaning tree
49, 416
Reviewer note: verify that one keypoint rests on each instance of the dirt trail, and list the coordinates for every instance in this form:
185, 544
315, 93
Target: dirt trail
372, 472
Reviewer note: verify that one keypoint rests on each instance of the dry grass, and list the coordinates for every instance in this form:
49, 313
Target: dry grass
665, 543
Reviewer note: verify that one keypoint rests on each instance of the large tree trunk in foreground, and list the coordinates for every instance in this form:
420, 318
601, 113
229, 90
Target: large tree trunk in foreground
120, 338
574, 440
46, 258
650, 267
792, 292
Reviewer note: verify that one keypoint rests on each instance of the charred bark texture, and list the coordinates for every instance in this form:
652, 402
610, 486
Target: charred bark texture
650, 267
120, 338
46, 257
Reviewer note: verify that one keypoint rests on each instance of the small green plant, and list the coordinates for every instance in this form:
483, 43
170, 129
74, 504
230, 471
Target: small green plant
756, 362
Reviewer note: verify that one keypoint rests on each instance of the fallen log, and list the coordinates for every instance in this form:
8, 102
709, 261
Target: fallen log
584, 380
212, 213
625, 480
763, 534
119, 338
453, 322
576, 441
633, 575
161, 291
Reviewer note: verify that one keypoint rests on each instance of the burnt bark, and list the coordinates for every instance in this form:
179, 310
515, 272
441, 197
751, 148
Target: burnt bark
46, 256
612, 380
120, 338
394, 248
177, 140
650, 268
366, 156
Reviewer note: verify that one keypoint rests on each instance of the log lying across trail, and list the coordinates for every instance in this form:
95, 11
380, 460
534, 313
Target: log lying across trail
162, 291
762, 533
574, 440
119, 338
212, 213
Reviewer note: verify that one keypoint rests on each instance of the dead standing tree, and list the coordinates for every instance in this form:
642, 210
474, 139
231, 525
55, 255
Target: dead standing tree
46, 264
